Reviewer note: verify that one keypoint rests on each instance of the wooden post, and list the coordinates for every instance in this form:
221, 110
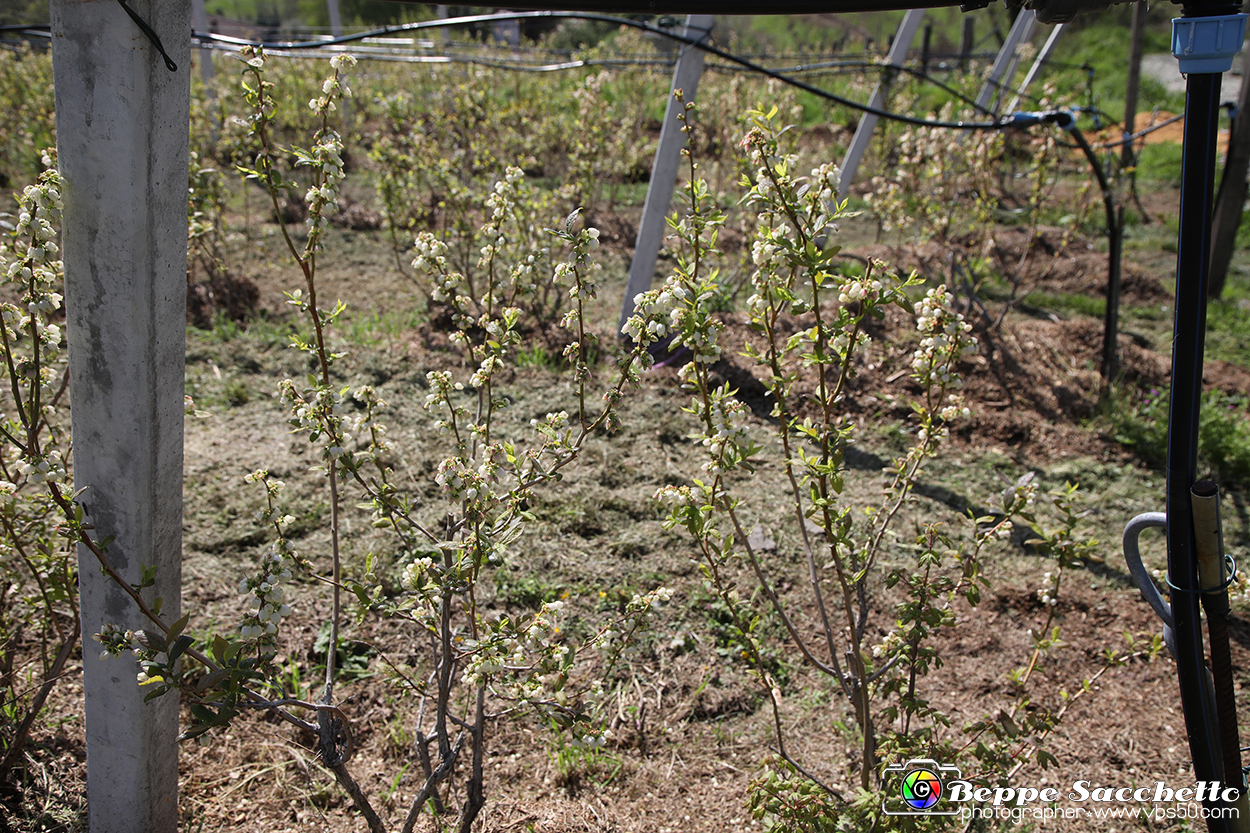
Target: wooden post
122, 123
868, 122
966, 41
664, 170
1134, 82
1231, 197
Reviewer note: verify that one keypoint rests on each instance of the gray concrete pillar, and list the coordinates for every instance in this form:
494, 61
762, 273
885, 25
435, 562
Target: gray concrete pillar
122, 121
868, 121
199, 19
336, 19
1004, 67
664, 170
1039, 64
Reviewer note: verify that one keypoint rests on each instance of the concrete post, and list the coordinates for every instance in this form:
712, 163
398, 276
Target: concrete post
1048, 49
1004, 66
868, 122
664, 170
199, 18
336, 19
122, 140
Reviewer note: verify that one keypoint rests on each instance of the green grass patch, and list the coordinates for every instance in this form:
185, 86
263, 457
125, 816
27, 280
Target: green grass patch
1159, 165
1068, 302
1139, 421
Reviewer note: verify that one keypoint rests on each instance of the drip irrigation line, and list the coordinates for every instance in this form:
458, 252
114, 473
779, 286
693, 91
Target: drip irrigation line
997, 124
912, 71
43, 31
654, 62
1127, 139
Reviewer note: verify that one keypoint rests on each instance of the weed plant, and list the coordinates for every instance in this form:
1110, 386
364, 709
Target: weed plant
1139, 421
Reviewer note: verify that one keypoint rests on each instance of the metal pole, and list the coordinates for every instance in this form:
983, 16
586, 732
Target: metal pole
122, 140
1202, 99
664, 170
868, 122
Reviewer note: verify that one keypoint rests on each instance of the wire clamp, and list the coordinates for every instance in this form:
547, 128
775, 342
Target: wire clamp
1207, 44
1229, 563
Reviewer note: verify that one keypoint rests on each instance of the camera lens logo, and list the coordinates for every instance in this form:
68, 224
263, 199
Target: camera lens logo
918, 788
921, 789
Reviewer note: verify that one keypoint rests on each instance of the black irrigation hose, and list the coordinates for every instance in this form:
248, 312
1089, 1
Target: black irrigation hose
1185, 405
998, 124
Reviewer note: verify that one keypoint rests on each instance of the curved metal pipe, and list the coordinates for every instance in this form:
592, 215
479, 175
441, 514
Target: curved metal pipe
1141, 578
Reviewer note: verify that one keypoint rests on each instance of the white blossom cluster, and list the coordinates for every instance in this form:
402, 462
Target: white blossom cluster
671, 310
333, 87
955, 408
323, 414
325, 158
526, 657
268, 599
673, 494
728, 430
429, 253
1047, 591
29, 260
639, 612
590, 739
864, 289
944, 339
892, 642
502, 202
440, 397
430, 258
417, 574
116, 640
46, 467
363, 428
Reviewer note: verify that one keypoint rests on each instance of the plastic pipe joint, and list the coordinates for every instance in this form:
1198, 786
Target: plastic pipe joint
1207, 44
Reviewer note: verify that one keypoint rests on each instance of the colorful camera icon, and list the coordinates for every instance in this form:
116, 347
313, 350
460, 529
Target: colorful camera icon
916, 788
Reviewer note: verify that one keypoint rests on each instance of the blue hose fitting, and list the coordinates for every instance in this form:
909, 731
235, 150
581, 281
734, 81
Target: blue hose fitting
1207, 44
1064, 119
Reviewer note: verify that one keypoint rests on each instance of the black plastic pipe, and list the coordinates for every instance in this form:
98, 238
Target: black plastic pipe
1202, 101
1115, 245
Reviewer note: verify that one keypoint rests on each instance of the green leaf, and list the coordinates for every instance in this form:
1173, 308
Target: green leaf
181, 644
210, 681
152, 695
176, 629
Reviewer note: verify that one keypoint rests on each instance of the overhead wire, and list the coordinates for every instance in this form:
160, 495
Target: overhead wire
1002, 123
